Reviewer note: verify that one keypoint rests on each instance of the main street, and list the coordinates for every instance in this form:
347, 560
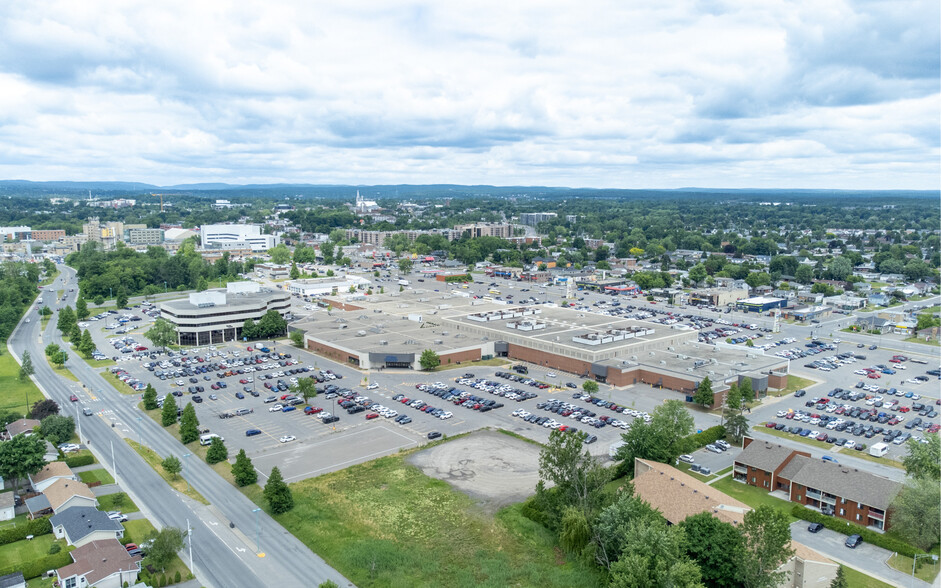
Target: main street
223, 555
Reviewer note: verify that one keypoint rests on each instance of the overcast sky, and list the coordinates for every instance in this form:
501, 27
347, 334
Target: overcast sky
655, 94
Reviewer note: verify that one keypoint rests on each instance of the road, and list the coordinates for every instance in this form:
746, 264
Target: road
222, 555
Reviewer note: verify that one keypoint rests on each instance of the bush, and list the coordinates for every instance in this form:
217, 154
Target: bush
177, 578
37, 567
80, 460
54, 548
710, 435
163, 580
35, 527
847, 528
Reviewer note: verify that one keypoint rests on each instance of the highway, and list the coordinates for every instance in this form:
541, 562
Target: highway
222, 555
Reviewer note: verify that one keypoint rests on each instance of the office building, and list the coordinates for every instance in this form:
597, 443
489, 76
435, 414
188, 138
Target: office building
232, 236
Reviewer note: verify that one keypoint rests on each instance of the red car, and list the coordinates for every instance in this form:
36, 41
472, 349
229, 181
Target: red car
873, 376
771, 424
371, 416
243, 381
312, 410
248, 348
73, 398
131, 546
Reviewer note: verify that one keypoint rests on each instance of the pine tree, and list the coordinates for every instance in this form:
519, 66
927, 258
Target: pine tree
26, 368
703, 394
277, 493
150, 398
81, 309
168, 417
217, 451
87, 345
243, 470
189, 424
121, 299
840, 580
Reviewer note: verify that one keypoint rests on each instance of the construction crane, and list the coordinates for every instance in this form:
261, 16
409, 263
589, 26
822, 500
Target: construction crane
161, 200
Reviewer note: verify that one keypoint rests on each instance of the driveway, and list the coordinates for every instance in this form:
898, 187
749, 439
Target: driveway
866, 558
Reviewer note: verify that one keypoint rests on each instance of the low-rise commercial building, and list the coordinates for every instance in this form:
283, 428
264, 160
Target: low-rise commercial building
236, 236
760, 304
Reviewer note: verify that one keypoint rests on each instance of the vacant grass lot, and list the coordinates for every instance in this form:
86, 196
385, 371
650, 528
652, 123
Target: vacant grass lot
753, 497
927, 569
14, 394
857, 579
384, 523
117, 501
99, 475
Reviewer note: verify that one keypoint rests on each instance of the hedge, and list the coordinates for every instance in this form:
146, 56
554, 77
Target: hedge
35, 527
710, 435
38, 567
839, 525
80, 460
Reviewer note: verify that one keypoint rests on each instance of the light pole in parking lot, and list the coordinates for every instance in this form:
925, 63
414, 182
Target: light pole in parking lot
257, 531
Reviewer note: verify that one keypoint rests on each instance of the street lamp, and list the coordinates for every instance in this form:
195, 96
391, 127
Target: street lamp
257, 530
184, 477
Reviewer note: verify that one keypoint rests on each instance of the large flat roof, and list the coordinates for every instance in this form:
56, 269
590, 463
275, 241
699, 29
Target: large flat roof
233, 301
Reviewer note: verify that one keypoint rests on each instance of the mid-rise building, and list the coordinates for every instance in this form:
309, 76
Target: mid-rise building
534, 218
143, 236
501, 230
48, 235
236, 236
15, 233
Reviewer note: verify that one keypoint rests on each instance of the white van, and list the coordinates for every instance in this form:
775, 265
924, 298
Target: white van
878, 449
207, 439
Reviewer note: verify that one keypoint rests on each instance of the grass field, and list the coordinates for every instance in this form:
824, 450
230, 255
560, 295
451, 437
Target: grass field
178, 483
117, 501
927, 569
95, 363
63, 371
857, 579
17, 520
496, 361
805, 440
932, 343
99, 475
753, 497
794, 383
384, 523
14, 394
23, 551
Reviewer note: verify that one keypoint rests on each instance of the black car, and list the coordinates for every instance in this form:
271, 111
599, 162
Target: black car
800, 393
434, 435
815, 527
197, 399
853, 541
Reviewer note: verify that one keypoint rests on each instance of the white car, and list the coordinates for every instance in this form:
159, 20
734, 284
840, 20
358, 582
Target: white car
275, 408
287, 438
687, 458
372, 387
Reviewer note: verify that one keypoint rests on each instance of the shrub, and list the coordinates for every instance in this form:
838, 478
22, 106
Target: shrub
710, 435
163, 580
887, 542
54, 548
34, 527
176, 577
80, 460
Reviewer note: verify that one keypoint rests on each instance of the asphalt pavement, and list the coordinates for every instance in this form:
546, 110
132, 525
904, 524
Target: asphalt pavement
222, 554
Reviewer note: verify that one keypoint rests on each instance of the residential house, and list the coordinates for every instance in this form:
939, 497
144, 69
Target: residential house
838, 490
64, 494
845, 302
862, 287
879, 299
14, 580
21, 427
51, 472
7, 506
104, 563
872, 323
81, 525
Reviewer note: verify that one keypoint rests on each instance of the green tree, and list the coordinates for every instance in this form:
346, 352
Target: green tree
66, 319
43, 408
305, 388
662, 439
590, 387
250, 330
767, 535
840, 268
804, 274
295, 273
172, 465
86, 346
168, 415
328, 584
577, 476
277, 494
737, 427
575, 531
121, 299
716, 547
243, 470
279, 254
217, 451
271, 324
924, 459
429, 360
99, 300
162, 333
150, 398
81, 309
57, 428
697, 274
60, 358
164, 545
747, 392
704, 394
609, 528
405, 266
654, 557
52, 349
840, 580
21, 456
915, 511
189, 424
297, 338
26, 367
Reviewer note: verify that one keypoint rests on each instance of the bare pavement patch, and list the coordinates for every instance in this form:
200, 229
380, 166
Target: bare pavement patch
492, 468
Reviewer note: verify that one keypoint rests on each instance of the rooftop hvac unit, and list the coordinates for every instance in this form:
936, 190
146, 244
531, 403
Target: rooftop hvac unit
445, 333
662, 362
360, 333
670, 348
634, 357
383, 342
557, 339
651, 353
439, 342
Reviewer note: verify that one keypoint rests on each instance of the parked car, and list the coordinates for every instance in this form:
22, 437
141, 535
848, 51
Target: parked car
853, 541
287, 438
434, 435
686, 458
252, 432
815, 527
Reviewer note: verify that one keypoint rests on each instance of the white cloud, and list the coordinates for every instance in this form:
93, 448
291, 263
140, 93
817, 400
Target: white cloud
596, 93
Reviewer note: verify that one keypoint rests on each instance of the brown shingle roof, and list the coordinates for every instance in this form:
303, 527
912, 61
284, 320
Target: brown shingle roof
61, 490
99, 559
52, 470
846, 482
763, 455
678, 495
21, 426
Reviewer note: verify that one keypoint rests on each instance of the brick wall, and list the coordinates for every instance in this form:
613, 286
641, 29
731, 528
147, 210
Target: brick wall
777, 381
340, 305
551, 360
460, 356
330, 352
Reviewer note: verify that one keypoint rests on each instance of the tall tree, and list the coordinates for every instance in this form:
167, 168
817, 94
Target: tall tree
306, 388
172, 465
277, 493
164, 545
243, 470
297, 338
767, 535
704, 394
429, 360
162, 333
26, 367
121, 299
405, 266
653, 557
916, 513
20, 457
609, 528
577, 476
60, 358
840, 580
43, 408
168, 416
57, 428
715, 546
590, 387
81, 309
295, 273
86, 345
662, 439
150, 398
924, 459
66, 319
217, 451
189, 424
747, 392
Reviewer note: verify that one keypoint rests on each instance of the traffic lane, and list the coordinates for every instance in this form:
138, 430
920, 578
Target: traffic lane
866, 557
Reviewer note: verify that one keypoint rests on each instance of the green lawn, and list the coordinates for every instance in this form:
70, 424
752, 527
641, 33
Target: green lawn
753, 497
41, 582
927, 569
137, 532
22, 551
794, 383
117, 501
63, 371
17, 520
178, 482
857, 579
384, 523
99, 475
932, 343
496, 361
95, 363
14, 394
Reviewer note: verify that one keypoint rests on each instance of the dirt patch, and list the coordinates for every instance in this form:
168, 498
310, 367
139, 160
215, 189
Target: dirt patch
492, 468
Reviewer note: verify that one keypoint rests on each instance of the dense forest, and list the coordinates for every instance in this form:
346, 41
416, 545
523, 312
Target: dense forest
17, 290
